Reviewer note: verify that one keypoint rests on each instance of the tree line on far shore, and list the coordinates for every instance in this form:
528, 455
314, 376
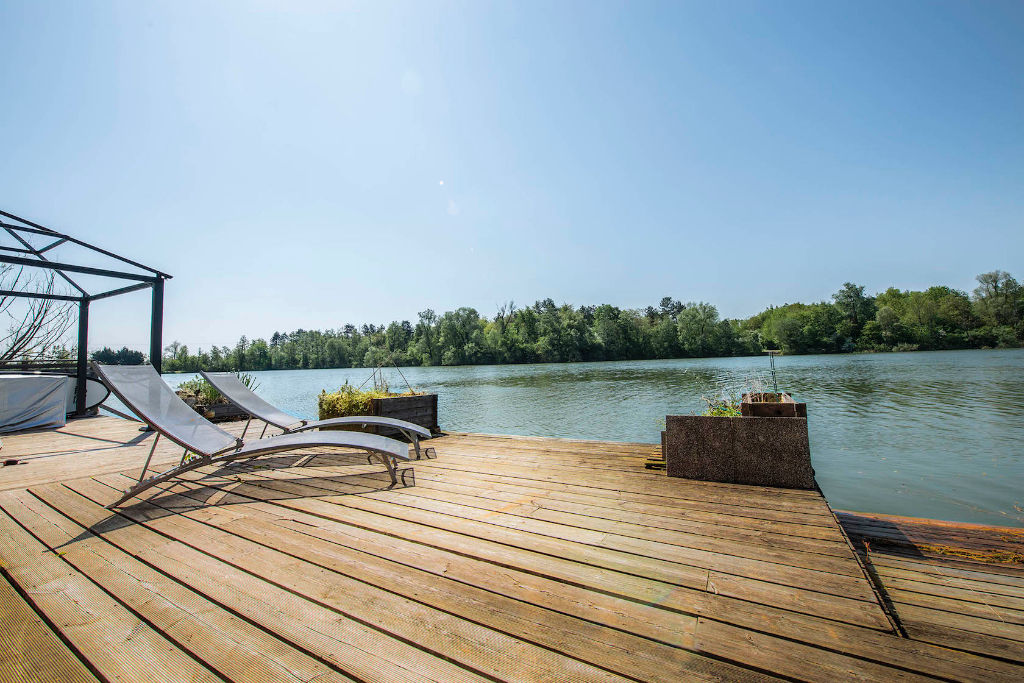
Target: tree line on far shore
894, 320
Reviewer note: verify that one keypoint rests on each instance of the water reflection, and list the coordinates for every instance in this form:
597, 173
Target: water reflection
934, 434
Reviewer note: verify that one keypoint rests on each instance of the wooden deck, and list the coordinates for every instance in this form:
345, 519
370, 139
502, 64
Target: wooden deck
952, 584
512, 558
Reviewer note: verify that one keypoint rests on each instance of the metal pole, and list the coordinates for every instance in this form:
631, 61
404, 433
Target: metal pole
156, 326
83, 356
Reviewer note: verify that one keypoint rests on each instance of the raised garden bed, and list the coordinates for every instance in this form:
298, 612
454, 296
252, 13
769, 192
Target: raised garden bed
420, 409
766, 446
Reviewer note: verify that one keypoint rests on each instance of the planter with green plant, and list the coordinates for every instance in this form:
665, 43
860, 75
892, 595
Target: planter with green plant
759, 440
379, 401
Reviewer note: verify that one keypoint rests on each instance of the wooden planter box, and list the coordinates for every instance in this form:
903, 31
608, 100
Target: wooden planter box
223, 412
219, 412
420, 409
759, 451
771, 405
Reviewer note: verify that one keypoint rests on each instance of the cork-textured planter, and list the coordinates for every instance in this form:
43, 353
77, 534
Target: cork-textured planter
760, 451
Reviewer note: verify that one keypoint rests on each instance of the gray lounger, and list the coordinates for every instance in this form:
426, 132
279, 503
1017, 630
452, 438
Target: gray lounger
228, 384
142, 389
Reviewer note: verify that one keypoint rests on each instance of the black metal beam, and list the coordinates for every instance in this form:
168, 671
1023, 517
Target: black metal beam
156, 327
86, 270
83, 356
34, 225
28, 245
122, 290
50, 246
40, 230
16, 250
39, 295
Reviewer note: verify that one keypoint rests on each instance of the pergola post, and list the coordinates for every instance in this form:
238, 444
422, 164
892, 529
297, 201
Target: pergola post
156, 326
83, 356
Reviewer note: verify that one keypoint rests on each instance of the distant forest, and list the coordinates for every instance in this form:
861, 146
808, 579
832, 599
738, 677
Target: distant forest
894, 320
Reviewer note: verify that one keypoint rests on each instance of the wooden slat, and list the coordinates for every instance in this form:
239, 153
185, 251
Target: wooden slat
29, 650
651, 559
640, 504
229, 645
578, 481
356, 648
611, 648
779, 535
954, 603
474, 646
981, 636
116, 642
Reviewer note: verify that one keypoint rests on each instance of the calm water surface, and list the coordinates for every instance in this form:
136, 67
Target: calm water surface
930, 434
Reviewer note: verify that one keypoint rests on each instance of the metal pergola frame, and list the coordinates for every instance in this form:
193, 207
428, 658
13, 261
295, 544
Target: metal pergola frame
28, 255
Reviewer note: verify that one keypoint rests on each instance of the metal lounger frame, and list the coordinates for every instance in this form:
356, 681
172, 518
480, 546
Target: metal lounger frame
274, 444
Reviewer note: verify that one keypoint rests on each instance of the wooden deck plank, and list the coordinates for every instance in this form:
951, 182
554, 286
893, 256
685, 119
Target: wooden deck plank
353, 647
778, 535
592, 548
742, 517
836, 561
588, 640
937, 570
572, 480
116, 642
29, 649
229, 645
475, 646
637, 482
938, 661
981, 636
658, 558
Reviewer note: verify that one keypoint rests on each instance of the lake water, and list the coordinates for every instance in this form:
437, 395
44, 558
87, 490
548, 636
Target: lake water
929, 434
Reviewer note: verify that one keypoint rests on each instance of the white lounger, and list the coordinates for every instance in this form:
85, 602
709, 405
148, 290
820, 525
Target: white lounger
142, 389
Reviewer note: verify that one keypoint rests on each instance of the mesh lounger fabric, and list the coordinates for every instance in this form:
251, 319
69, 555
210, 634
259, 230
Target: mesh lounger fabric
228, 384
142, 389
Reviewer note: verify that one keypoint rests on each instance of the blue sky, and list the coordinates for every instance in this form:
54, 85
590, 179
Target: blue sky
311, 164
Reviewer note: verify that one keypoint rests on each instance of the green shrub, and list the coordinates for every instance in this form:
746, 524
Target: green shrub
725, 406
349, 400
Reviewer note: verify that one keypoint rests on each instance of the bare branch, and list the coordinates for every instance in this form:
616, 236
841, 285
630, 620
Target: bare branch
34, 326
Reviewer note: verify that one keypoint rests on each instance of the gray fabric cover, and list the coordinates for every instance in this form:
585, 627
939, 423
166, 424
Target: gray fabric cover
142, 389
31, 401
228, 384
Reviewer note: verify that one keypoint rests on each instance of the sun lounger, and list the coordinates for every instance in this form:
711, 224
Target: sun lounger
142, 389
228, 384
